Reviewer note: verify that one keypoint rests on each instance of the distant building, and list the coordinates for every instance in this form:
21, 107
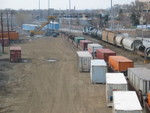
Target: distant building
146, 5
145, 19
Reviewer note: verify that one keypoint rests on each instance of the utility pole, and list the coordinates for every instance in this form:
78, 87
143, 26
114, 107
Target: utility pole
69, 16
112, 17
11, 21
2, 33
8, 28
39, 11
48, 7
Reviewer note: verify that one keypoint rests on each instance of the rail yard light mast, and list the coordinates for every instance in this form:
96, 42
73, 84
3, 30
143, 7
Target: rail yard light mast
112, 17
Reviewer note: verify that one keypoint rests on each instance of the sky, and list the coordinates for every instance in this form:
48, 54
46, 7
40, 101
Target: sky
60, 4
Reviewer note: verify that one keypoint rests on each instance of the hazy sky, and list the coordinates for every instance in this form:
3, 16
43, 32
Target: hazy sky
59, 4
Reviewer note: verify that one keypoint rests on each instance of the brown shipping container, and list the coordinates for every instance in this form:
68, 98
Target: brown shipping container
84, 43
15, 54
111, 37
120, 63
6, 42
105, 35
13, 35
104, 54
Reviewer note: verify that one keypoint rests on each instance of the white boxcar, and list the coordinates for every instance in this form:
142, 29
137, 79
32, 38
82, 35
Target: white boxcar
84, 60
114, 82
98, 71
139, 78
93, 47
126, 102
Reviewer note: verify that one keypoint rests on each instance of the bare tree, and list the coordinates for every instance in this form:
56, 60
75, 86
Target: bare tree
136, 11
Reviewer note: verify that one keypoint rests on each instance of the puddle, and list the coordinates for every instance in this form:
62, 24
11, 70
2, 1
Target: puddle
52, 60
25, 60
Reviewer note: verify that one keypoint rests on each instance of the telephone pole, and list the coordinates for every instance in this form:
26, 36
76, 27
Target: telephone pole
2, 33
8, 28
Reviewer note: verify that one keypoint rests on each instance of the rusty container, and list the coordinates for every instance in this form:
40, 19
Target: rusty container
15, 54
120, 63
104, 54
13, 35
6, 42
84, 44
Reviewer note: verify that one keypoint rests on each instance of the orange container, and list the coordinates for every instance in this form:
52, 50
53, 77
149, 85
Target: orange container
120, 63
13, 35
148, 98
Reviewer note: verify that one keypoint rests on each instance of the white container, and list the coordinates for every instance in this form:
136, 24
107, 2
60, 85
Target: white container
139, 78
114, 82
84, 60
98, 71
126, 102
93, 47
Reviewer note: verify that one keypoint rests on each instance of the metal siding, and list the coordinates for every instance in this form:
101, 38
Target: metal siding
98, 74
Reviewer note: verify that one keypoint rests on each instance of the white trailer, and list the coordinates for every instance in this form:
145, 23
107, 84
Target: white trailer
98, 71
126, 102
114, 82
84, 60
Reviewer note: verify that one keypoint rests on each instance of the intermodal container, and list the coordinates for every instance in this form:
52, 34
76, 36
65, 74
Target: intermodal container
104, 54
120, 63
6, 42
84, 44
139, 78
126, 102
114, 82
98, 71
93, 47
77, 39
15, 54
84, 60
13, 35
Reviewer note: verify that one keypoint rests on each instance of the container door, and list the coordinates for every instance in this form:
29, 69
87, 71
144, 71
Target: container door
85, 64
99, 74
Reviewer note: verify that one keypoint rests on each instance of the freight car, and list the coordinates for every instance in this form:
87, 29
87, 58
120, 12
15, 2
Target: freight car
120, 40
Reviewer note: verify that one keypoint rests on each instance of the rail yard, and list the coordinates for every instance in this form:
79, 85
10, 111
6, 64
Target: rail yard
75, 60
39, 84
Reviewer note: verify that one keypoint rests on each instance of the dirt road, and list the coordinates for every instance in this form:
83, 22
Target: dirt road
39, 86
